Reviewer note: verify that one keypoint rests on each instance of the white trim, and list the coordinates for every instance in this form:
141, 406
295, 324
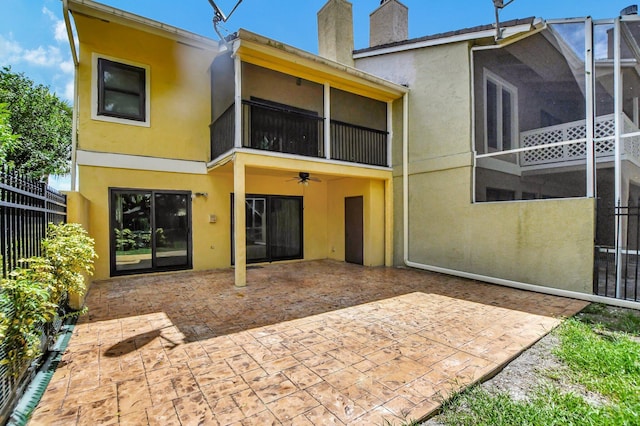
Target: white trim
138, 162
501, 85
507, 32
230, 153
94, 91
111, 14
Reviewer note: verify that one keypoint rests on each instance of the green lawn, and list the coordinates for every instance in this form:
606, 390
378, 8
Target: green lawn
602, 355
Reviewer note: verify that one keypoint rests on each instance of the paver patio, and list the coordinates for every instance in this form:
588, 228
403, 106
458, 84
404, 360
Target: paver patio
311, 343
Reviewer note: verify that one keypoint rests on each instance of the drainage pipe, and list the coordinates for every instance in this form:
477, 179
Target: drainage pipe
469, 275
74, 124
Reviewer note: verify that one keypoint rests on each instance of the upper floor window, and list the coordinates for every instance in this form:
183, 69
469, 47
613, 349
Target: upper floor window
121, 91
501, 113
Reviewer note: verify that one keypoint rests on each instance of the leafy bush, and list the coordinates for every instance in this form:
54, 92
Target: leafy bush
32, 296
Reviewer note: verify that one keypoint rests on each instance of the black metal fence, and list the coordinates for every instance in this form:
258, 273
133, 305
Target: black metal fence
26, 209
607, 281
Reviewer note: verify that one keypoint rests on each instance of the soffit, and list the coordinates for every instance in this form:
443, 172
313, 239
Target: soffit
279, 57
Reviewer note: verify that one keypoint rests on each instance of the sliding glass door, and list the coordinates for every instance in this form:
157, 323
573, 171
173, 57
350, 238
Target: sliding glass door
273, 227
150, 231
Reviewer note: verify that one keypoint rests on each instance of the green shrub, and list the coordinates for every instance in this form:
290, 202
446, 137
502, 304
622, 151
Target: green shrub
32, 295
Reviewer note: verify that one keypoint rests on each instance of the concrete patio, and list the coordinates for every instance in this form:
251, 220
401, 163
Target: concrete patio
311, 343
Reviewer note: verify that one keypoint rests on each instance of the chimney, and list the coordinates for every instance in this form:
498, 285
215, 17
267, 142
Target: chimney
389, 23
335, 32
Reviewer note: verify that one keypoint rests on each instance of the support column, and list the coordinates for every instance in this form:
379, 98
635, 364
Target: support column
388, 222
239, 222
617, 93
237, 65
327, 121
589, 71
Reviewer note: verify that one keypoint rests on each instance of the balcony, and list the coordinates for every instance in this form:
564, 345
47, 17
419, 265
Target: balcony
576, 152
288, 130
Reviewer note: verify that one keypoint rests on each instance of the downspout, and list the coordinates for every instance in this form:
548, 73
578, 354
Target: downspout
74, 124
469, 275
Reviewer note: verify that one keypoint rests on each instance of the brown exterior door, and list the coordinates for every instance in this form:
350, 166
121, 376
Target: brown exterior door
353, 230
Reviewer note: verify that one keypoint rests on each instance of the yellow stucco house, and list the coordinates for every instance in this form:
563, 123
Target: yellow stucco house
510, 156
175, 130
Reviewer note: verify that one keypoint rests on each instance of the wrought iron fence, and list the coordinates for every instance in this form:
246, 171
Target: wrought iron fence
26, 209
617, 270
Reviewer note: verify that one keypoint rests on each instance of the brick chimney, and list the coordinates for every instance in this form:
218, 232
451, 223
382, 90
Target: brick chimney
389, 23
335, 32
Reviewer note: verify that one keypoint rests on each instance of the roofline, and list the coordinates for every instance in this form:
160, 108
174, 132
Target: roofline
510, 29
111, 14
267, 44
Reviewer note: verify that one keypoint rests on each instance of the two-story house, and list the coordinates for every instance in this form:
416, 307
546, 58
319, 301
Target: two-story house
506, 153
198, 154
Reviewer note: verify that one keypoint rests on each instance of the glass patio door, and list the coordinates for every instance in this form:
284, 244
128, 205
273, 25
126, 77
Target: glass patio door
273, 228
150, 231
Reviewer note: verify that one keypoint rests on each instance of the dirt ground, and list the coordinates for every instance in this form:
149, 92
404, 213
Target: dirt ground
539, 366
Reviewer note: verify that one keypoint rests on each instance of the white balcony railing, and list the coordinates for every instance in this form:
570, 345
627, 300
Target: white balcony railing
605, 144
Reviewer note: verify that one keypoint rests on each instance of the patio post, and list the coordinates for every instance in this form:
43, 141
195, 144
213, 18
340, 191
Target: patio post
388, 222
239, 221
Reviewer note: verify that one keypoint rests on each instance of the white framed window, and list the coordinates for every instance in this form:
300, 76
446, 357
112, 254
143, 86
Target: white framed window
120, 91
500, 113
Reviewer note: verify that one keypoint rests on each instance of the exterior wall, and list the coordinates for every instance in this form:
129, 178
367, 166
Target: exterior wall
211, 241
180, 94
373, 193
358, 110
222, 85
78, 212
282, 88
545, 242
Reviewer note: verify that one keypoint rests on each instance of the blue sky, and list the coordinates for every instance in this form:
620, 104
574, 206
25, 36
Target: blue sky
33, 39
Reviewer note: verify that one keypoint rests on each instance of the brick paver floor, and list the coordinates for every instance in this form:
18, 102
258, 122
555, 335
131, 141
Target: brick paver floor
311, 343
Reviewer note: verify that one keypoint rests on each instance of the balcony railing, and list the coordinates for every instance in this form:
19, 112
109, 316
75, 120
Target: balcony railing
604, 129
221, 132
358, 144
276, 128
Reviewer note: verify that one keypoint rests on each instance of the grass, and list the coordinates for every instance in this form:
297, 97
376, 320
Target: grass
600, 354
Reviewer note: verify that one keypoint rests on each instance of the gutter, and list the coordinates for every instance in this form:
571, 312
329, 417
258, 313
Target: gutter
468, 275
76, 63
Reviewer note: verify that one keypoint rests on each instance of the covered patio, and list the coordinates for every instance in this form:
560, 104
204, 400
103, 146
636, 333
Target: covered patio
306, 343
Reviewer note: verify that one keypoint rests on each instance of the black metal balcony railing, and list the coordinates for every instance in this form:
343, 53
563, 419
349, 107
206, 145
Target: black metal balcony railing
358, 144
221, 132
278, 129
273, 128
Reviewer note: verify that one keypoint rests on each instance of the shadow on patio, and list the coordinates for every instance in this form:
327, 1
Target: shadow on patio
315, 342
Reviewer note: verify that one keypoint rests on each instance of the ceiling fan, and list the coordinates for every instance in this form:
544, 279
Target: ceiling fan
304, 178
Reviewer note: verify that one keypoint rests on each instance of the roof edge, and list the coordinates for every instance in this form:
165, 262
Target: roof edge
111, 14
512, 27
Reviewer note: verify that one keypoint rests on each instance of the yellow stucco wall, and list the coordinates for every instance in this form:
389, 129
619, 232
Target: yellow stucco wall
180, 96
323, 210
373, 193
543, 242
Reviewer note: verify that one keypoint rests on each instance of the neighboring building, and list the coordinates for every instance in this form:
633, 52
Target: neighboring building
530, 116
482, 153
